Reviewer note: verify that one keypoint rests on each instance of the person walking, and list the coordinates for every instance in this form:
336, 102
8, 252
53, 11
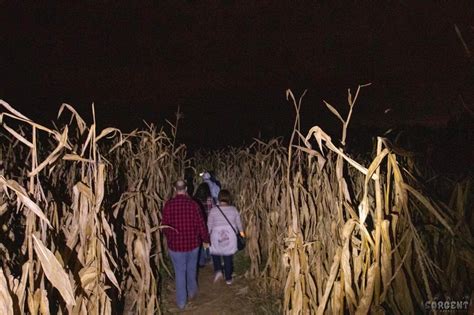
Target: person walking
223, 238
203, 197
214, 185
185, 230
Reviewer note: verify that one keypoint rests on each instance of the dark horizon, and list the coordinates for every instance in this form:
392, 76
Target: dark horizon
227, 66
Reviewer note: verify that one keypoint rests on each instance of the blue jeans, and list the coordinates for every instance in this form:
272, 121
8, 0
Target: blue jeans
185, 268
228, 265
203, 256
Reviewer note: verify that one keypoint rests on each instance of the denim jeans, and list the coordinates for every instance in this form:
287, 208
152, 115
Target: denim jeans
185, 273
228, 265
204, 256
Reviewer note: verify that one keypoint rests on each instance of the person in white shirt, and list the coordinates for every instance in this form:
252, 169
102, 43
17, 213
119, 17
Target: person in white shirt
214, 185
223, 236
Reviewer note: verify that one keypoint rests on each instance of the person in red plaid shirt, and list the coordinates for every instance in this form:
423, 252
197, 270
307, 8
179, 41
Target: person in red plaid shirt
184, 234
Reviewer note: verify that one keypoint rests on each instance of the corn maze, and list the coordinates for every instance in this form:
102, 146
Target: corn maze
328, 233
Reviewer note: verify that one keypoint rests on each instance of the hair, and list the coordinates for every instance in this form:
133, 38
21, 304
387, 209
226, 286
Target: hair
225, 196
180, 185
202, 192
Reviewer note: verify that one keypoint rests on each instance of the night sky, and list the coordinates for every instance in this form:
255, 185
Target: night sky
227, 64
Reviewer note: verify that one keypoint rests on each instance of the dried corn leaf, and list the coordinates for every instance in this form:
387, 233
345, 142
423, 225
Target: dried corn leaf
330, 282
18, 136
429, 207
75, 157
334, 111
386, 261
367, 296
87, 276
320, 135
3, 208
99, 186
44, 303
6, 303
12, 110
345, 263
108, 131
110, 274
24, 199
53, 156
20, 290
54, 271
80, 122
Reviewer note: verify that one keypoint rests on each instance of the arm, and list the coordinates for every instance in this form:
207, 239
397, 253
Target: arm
210, 221
238, 222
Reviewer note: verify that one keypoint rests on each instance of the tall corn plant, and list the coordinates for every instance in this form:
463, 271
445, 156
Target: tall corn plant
87, 226
73, 228
30, 289
373, 232
331, 234
153, 163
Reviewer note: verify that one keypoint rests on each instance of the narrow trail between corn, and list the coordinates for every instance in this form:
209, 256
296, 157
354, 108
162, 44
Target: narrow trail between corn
213, 298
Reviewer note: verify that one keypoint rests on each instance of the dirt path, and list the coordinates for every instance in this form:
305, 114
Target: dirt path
213, 298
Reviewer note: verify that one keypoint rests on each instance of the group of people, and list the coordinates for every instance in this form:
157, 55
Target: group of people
196, 227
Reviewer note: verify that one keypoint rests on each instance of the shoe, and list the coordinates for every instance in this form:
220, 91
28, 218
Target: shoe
228, 282
177, 309
217, 276
192, 297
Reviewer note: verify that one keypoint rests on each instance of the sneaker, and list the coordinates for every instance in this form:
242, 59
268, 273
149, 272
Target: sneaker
228, 282
192, 297
218, 276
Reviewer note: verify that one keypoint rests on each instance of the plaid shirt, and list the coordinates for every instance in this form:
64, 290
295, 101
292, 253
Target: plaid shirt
188, 227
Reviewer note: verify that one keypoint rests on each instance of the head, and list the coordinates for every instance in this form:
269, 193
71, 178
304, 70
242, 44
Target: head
205, 175
180, 187
225, 196
202, 192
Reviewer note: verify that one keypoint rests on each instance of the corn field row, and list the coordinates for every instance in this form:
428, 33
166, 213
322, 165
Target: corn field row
80, 216
333, 236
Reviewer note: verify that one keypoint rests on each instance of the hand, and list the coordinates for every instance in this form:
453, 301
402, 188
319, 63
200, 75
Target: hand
242, 233
205, 245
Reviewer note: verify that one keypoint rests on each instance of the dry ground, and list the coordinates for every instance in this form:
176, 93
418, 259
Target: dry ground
219, 298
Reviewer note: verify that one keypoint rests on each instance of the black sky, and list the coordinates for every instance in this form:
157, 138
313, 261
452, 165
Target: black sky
227, 64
